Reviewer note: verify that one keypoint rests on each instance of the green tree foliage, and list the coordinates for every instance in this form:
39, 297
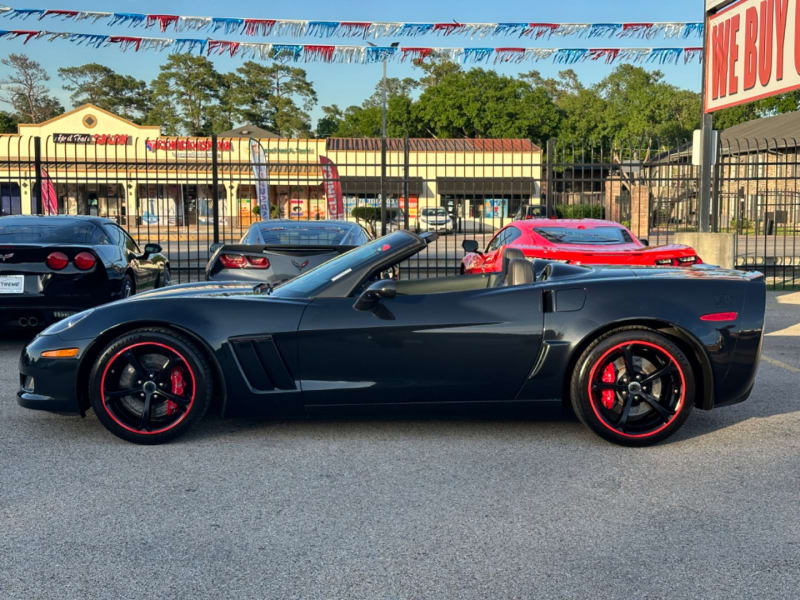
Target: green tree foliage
25, 90
190, 97
8, 123
329, 122
275, 97
767, 107
100, 85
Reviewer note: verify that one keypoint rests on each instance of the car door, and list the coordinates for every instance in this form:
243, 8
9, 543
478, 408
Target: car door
143, 269
466, 346
492, 255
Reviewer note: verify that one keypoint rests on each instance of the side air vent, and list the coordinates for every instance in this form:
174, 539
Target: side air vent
262, 363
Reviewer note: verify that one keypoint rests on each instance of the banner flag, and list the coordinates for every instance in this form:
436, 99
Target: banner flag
333, 188
48, 192
261, 174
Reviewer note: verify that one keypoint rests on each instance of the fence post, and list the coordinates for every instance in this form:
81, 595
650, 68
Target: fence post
383, 186
37, 165
405, 182
549, 177
215, 186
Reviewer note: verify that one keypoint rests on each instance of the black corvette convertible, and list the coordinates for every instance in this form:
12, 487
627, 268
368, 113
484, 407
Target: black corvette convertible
52, 267
633, 350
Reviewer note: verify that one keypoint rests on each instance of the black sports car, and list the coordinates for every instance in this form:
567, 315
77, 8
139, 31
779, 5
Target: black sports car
633, 350
275, 251
52, 267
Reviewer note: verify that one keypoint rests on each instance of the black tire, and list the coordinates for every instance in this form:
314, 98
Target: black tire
638, 405
164, 278
128, 288
155, 365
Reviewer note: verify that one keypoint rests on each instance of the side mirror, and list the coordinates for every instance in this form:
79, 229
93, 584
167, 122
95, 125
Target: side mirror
150, 249
385, 288
470, 246
644, 242
214, 247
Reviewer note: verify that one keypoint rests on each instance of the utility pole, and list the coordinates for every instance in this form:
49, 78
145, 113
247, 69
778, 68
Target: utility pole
383, 144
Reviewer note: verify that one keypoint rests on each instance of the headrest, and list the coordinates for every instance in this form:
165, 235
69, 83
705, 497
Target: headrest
510, 254
520, 272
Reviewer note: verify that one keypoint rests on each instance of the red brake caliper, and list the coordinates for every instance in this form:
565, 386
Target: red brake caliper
609, 396
178, 387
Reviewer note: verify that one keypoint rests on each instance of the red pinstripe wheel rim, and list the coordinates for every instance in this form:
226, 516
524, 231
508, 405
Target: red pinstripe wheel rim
636, 389
155, 375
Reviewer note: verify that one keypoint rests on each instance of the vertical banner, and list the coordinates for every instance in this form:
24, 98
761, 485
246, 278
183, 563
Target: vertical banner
261, 174
48, 192
333, 188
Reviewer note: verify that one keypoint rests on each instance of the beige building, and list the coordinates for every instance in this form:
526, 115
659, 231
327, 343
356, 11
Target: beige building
100, 163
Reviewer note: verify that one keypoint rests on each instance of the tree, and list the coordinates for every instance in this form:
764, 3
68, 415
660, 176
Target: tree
100, 85
275, 97
188, 96
394, 87
435, 70
329, 123
26, 92
8, 123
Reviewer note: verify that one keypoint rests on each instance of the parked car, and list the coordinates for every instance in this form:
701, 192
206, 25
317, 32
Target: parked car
277, 250
576, 241
52, 267
632, 351
530, 211
435, 219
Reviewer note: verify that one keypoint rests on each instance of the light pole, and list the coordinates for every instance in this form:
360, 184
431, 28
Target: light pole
383, 141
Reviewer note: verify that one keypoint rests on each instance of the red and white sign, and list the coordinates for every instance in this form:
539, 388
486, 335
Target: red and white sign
753, 52
333, 188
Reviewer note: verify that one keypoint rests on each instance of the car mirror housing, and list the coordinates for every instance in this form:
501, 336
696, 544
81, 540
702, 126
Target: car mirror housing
385, 288
150, 249
470, 246
214, 247
644, 242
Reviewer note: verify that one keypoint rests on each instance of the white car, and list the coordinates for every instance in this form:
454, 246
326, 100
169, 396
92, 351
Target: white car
435, 219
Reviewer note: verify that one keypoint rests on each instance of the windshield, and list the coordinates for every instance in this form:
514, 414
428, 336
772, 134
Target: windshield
433, 212
53, 232
595, 235
312, 282
297, 235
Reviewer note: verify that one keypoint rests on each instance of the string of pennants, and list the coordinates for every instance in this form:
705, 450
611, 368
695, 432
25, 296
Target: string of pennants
364, 29
363, 54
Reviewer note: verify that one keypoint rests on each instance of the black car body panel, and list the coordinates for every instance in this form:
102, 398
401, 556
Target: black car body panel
278, 250
461, 339
50, 294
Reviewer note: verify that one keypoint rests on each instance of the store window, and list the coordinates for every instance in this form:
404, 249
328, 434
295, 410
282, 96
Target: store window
10, 199
97, 199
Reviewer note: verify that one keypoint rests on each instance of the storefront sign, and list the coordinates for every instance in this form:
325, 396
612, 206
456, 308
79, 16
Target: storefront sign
753, 52
99, 139
183, 144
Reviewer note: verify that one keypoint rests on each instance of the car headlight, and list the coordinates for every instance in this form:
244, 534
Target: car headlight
64, 324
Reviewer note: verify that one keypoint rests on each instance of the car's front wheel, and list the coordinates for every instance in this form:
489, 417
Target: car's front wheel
150, 385
633, 386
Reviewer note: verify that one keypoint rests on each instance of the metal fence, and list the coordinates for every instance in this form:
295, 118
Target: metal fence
188, 193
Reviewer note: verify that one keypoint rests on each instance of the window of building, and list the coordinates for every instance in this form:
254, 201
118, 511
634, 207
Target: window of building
10, 199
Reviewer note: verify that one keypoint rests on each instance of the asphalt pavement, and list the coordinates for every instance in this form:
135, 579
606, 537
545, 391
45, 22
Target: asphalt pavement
396, 506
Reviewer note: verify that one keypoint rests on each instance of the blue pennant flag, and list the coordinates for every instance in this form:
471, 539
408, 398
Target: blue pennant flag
569, 56
132, 19
228, 25
693, 29
664, 55
24, 13
379, 53
604, 29
476, 55
287, 51
95, 40
322, 28
189, 45
413, 29
510, 28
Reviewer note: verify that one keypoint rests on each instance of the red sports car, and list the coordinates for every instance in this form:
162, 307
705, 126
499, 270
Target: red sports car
577, 241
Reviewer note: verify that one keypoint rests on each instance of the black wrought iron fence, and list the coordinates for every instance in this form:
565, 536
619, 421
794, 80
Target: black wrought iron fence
188, 193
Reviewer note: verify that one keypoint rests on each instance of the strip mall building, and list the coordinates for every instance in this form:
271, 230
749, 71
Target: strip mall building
102, 164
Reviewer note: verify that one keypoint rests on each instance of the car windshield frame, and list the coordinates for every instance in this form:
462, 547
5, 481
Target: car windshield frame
61, 232
270, 234
583, 236
344, 272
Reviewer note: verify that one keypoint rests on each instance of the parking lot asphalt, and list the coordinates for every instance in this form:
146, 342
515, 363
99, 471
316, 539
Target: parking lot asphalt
524, 505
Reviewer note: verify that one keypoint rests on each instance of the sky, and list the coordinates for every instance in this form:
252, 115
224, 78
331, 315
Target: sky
346, 84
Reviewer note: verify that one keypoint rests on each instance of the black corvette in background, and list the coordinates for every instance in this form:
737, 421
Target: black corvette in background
52, 267
278, 250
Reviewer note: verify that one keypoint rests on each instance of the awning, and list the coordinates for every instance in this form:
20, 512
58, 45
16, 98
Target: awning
486, 186
371, 186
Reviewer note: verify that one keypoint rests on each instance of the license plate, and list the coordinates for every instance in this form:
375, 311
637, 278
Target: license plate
12, 284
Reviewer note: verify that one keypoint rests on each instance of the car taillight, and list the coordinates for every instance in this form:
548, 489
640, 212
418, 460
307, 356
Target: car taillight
57, 260
688, 260
233, 261
84, 260
664, 262
258, 262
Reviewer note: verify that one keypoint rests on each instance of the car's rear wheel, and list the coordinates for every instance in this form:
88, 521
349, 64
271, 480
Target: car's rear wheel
150, 385
633, 387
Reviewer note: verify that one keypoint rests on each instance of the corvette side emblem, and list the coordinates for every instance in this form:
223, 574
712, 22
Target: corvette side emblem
5, 257
298, 264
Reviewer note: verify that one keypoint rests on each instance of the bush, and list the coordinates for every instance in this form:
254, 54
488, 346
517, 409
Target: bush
580, 211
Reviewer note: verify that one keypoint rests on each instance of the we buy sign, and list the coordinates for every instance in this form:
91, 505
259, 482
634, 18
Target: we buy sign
753, 52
